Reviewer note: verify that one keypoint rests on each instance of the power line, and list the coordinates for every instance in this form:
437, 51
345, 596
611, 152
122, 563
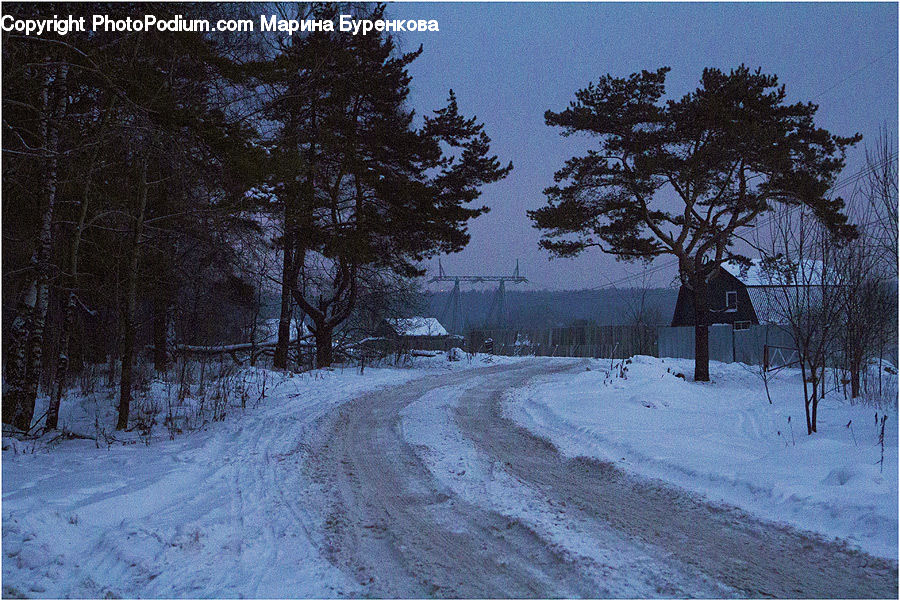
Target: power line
854, 74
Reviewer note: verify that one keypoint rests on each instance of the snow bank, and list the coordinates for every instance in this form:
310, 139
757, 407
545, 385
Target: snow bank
724, 440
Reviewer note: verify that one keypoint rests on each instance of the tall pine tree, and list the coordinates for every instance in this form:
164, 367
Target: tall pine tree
363, 188
682, 177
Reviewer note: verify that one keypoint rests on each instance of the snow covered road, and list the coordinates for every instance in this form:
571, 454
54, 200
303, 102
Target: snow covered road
399, 483
428, 491
213, 513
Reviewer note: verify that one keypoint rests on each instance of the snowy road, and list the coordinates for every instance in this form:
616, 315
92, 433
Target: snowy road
426, 490
396, 483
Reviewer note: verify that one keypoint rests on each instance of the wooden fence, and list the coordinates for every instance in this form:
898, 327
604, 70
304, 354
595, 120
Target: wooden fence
729, 345
611, 342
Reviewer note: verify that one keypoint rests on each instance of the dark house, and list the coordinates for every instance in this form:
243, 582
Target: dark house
742, 296
729, 302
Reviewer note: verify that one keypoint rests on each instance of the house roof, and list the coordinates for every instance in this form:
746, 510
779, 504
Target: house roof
779, 289
417, 326
778, 304
775, 273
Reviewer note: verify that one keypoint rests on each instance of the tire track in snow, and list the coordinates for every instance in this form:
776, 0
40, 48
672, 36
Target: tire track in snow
400, 533
758, 558
615, 566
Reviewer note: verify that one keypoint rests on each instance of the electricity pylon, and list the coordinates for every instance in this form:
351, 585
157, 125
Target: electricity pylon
452, 316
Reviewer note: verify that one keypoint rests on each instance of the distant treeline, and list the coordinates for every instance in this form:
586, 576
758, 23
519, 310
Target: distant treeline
540, 308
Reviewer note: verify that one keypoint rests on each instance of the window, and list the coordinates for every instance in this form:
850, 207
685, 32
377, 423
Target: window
741, 325
731, 300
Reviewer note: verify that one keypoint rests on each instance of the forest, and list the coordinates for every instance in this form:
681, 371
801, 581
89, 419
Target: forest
160, 188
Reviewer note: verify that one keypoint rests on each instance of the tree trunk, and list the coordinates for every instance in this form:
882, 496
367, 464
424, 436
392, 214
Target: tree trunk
298, 258
815, 406
289, 271
68, 322
854, 381
15, 407
701, 331
171, 340
856, 356
324, 351
62, 364
26, 361
279, 361
806, 401
160, 338
125, 381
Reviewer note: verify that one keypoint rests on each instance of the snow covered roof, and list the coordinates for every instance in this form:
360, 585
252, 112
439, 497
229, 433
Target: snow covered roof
779, 288
418, 326
776, 305
775, 273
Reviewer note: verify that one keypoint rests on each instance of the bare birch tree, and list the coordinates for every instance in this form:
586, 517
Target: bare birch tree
880, 191
25, 364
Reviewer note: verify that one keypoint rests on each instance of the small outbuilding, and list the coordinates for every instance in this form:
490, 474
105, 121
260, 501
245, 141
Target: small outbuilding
421, 333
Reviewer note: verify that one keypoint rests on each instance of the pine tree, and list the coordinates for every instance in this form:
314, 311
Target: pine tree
682, 177
363, 188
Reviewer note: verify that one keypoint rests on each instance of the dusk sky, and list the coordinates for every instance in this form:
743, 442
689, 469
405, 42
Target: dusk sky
508, 63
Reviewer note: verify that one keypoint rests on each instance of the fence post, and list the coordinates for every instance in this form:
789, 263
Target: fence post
733, 359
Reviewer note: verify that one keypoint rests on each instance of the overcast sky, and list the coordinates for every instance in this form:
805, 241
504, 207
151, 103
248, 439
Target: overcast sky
508, 63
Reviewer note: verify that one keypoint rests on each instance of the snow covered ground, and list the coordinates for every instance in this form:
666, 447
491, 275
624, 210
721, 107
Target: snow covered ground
211, 513
724, 440
231, 509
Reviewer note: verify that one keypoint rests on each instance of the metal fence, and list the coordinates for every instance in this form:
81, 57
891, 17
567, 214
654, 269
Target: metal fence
725, 343
611, 342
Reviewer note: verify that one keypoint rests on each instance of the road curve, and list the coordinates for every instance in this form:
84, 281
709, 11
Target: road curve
397, 531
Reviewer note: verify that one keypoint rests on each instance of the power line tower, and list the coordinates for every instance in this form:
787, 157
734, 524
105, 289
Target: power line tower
453, 317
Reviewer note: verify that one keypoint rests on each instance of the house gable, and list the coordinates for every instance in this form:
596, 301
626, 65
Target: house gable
719, 285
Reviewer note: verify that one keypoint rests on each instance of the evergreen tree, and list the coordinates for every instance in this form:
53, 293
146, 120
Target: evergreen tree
138, 160
682, 177
363, 188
